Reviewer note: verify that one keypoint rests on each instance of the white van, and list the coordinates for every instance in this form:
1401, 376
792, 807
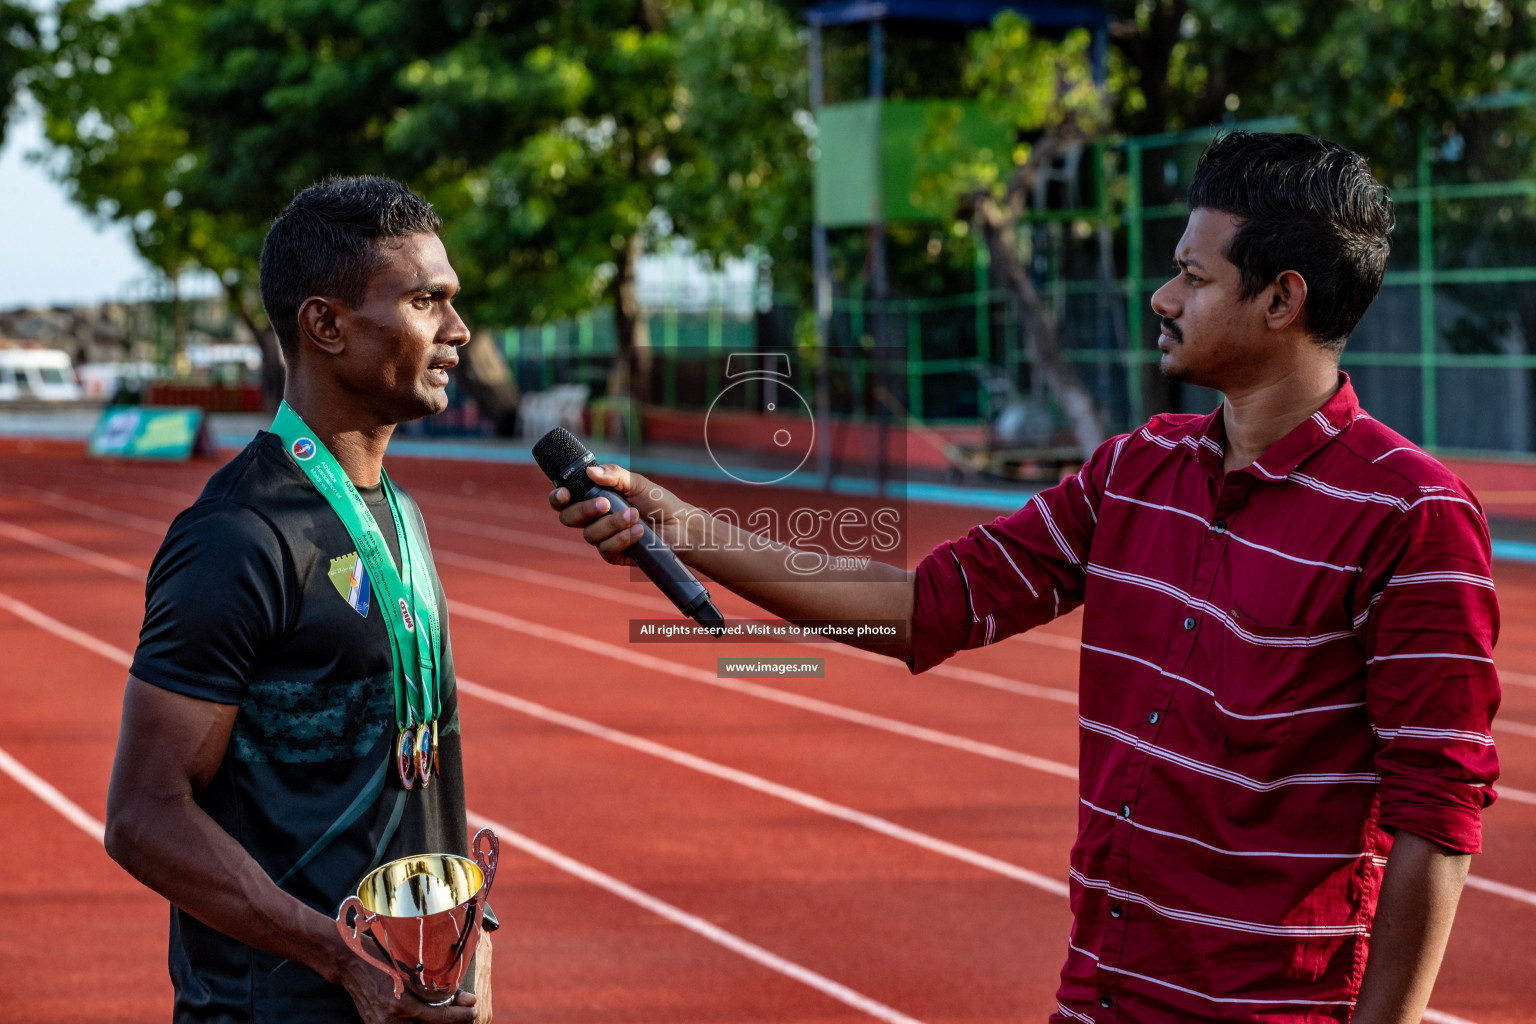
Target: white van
38, 373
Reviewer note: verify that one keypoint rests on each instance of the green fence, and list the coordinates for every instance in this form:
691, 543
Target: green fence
1446, 354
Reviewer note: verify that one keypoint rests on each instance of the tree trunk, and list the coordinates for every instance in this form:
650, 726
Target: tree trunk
630, 383
274, 372
484, 375
997, 227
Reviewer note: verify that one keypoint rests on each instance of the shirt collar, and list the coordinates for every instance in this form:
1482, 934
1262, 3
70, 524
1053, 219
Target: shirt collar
1294, 448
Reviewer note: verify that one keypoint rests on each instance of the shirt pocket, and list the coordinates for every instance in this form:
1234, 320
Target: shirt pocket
1257, 681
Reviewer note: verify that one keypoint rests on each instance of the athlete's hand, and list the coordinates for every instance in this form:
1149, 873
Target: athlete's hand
373, 992
612, 534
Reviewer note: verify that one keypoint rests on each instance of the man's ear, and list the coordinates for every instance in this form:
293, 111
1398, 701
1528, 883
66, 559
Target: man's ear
318, 326
1287, 299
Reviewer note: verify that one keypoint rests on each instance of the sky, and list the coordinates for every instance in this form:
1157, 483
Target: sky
52, 254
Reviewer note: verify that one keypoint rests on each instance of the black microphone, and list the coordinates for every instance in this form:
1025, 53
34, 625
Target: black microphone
564, 459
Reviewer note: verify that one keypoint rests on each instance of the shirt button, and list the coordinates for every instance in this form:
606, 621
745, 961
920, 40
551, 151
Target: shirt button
1116, 910
1189, 623
1220, 526
1106, 1002
1125, 810
1153, 717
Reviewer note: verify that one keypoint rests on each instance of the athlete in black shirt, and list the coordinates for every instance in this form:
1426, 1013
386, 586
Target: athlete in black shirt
255, 780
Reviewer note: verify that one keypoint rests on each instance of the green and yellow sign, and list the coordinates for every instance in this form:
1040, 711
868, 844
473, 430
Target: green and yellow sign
144, 432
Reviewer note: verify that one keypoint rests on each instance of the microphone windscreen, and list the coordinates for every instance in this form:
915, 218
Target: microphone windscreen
557, 451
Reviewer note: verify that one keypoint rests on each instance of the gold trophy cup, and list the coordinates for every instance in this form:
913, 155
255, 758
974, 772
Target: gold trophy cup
425, 912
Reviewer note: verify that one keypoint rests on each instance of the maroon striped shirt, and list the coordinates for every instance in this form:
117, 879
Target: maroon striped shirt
1280, 667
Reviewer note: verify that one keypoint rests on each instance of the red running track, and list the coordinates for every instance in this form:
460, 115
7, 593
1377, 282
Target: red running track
677, 847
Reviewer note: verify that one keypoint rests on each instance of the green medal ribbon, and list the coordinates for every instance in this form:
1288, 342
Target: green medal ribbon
409, 606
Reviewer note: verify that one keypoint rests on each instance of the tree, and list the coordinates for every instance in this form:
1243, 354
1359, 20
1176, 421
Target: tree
569, 143
19, 46
122, 148
558, 140
1376, 76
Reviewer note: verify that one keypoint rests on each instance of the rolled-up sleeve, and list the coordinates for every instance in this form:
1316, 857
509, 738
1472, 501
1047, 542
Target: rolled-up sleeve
1431, 687
1013, 573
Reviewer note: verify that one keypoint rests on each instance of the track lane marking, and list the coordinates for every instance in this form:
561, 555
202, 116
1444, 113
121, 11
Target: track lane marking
538, 541
81, 819
700, 675
522, 574
798, 797
768, 693
713, 932
44, 791
106, 563
1430, 1014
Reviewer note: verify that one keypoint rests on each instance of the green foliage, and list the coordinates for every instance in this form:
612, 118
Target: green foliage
19, 47
569, 135
123, 149
1035, 85
549, 135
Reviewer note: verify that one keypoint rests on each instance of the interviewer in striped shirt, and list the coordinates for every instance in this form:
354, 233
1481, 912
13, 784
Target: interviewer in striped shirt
1287, 679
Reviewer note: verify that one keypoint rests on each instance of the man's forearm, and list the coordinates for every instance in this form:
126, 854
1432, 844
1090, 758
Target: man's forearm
795, 584
1419, 893
181, 853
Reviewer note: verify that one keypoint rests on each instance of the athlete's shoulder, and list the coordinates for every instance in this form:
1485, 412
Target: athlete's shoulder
246, 502
258, 470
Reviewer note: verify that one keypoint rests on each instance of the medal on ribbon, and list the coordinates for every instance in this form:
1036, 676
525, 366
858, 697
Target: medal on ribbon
407, 602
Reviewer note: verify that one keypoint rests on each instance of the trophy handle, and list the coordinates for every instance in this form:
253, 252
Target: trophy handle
486, 849
352, 935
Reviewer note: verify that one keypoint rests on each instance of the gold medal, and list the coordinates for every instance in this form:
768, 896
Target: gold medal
405, 757
435, 769
425, 755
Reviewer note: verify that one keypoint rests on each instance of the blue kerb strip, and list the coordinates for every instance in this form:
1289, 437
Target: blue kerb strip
939, 494
1514, 551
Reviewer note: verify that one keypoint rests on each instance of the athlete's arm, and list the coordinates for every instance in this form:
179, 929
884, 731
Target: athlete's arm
169, 747
758, 570
1419, 893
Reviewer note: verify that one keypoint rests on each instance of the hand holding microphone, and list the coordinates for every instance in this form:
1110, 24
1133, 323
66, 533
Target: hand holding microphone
565, 460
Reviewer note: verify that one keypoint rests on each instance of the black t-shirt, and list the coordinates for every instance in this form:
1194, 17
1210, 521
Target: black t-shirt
257, 598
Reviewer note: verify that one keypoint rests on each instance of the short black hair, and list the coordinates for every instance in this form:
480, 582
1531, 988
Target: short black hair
1304, 204
328, 241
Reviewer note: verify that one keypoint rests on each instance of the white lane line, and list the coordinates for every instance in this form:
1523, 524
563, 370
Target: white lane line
714, 933
756, 782
509, 571
1514, 728
747, 949
91, 510
629, 656
60, 547
542, 541
48, 623
77, 816
44, 791
1433, 1016
1519, 796
531, 513
43, 621
575, 585
1513, 892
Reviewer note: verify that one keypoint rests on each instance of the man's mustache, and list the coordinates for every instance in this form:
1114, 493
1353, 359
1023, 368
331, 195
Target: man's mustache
1171, 329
